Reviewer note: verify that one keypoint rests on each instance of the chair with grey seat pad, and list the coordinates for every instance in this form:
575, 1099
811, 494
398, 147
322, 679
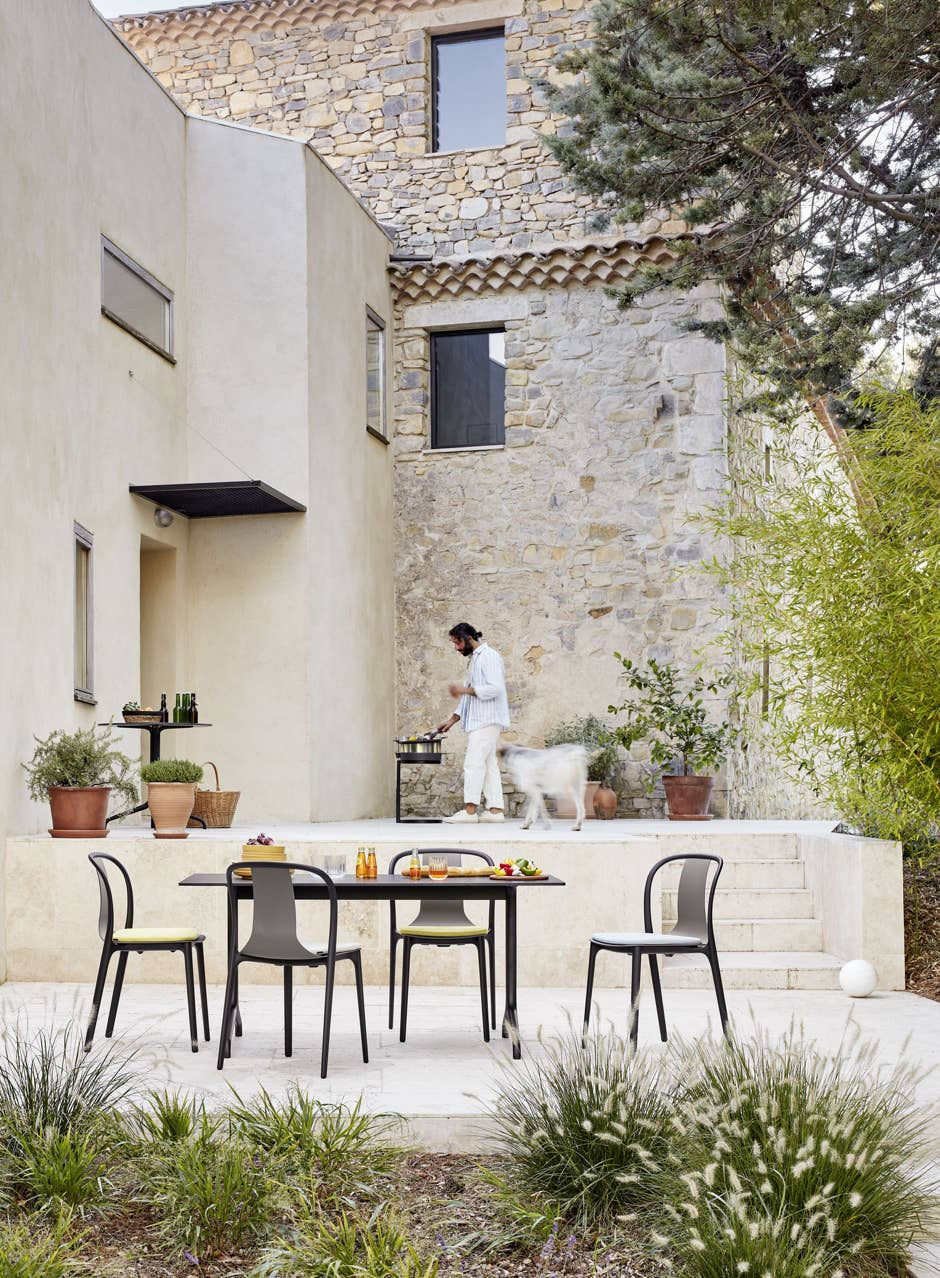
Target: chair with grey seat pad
140, 940
274, 941
442, 923
693, 934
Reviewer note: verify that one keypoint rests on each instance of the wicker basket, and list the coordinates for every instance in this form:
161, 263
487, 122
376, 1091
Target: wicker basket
142, 716
215, 807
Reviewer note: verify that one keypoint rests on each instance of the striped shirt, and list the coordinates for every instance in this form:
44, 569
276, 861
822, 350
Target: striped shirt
486, 677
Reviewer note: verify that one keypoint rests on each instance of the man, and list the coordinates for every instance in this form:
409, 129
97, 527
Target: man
482, 712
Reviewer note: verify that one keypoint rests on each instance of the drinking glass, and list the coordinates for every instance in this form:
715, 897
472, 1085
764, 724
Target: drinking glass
437, 868
335, 864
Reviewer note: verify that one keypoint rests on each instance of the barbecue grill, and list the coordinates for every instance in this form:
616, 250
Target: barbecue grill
428, 747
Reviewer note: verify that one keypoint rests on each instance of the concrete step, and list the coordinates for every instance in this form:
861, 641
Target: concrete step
760, 970
757, 934
743, 846
753, 903
751, 873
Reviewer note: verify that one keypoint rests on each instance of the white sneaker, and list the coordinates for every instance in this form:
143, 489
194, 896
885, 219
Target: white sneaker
463, 815
492, 816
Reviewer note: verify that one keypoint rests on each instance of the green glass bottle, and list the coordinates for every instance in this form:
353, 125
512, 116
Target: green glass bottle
177, 710
185, 716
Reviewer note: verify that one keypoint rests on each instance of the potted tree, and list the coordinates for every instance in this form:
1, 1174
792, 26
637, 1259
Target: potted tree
171, 793
596, 736
77, 772
674, 719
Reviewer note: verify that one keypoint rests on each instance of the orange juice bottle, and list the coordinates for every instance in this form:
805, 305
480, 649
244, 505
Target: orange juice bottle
414, 866
361, 870
372, 868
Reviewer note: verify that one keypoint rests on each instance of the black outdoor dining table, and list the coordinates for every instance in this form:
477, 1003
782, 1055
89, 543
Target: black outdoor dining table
396, 887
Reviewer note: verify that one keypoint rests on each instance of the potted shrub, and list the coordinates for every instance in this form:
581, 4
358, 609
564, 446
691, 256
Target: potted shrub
674, 719
171, 793
596, 736
77, 772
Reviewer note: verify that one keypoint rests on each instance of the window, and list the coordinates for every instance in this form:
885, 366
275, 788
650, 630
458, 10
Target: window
468, 389
135, 300
84, 681
468, 90
375, 377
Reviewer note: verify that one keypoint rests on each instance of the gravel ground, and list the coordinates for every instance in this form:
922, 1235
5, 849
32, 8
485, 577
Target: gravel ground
922, 928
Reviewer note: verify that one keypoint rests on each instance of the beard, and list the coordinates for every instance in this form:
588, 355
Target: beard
465, 648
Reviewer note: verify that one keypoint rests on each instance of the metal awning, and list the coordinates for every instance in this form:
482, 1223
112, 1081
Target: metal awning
231, 497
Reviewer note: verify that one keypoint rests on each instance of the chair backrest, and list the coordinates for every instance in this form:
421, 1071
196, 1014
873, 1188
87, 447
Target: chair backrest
106, 898
274, 914
696, 894
449, 912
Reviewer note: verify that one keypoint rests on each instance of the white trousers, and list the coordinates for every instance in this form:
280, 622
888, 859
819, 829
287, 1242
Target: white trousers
481, 767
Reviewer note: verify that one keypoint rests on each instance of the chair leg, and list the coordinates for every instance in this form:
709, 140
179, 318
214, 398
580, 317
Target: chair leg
491, 941
636, 960
288, 1010
201, 968
392, 957
191, 997
116, 993
658, 997
361, 1001
97, 995
481, 962
327, 1017
405, 978
719, 991
228, 1013
585, 1024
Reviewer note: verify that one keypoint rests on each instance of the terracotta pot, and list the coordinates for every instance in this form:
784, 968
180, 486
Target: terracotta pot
688, 797
79, 811
565, 810
171, 806
605, 802
589, 792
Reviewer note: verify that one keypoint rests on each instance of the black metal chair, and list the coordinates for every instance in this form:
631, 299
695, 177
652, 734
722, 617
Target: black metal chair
140, 940
693, 934
274, 940
441, 923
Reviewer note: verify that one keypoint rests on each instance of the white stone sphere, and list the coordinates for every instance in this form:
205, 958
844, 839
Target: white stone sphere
858, 978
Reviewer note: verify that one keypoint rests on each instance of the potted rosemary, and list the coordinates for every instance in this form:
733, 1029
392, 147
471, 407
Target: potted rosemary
77, 772
171, 793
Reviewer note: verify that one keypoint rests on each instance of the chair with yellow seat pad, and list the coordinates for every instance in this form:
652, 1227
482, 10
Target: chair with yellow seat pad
140, 940
442, 923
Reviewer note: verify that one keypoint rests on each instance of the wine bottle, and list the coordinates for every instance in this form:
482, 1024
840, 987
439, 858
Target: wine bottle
164, 712
178, 709
193, 709
184, 716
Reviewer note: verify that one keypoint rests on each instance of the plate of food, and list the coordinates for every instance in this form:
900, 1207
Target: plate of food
518, 868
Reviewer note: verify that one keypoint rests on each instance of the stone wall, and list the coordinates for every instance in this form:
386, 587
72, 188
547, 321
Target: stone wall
354, 80
574, 540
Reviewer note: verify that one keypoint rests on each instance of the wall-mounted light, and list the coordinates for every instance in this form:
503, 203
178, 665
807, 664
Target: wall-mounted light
162, 518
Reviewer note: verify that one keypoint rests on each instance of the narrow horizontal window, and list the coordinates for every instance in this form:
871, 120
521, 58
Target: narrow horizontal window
468, 388
131, 297
375, 376
468, 90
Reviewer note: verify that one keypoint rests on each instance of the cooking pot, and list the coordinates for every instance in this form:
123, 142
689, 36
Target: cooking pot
427, 743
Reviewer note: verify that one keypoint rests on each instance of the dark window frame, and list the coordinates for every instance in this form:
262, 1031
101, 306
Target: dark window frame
375, 323
457, 37
84, 540
109, 248
433, 446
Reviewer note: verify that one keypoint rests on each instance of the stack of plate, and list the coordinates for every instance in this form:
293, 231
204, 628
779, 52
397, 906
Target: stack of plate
260, 852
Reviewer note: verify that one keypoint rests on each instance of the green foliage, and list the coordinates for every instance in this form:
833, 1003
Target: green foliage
846, 603
84, 757
674, 719
167, 1116
346, 1248
517, 1218
30, 1248
49, 1083
804, 134
596, 735
51, 1170
130, 706
341, 1153
784, 1159
171, 770
579, 1128
210, 1192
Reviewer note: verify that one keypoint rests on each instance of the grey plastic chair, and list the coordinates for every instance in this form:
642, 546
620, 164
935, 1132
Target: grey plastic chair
693, 934
441, 923
274, 940
140, 940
